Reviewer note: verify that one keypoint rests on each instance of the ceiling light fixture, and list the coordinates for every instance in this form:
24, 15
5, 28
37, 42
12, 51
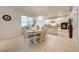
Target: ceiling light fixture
40, 17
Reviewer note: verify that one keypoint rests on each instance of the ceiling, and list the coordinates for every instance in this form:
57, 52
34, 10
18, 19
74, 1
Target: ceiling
49, 11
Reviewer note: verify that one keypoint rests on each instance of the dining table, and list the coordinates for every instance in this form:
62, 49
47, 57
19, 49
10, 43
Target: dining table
34, 34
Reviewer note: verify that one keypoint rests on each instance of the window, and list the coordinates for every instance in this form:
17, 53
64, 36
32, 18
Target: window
26, 21
29, 21
40, 23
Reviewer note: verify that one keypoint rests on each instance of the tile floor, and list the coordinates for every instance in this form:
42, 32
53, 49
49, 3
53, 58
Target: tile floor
52, 43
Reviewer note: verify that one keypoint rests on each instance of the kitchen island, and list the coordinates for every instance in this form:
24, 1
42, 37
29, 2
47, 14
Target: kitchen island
51, 29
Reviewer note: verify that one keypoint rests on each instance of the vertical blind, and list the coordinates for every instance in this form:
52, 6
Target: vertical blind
27, 21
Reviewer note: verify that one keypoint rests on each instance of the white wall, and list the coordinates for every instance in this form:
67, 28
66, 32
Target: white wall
12, 27
74, 16
78, 26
